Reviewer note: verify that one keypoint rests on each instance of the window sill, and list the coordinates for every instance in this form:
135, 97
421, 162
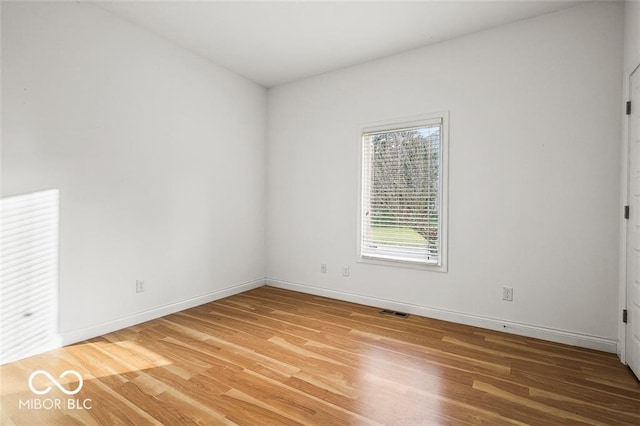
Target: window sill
402, 264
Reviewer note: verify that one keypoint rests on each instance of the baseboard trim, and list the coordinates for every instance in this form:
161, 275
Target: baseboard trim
75, 336
553, 335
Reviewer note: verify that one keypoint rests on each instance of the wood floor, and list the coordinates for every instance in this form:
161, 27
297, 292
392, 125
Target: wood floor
271, 356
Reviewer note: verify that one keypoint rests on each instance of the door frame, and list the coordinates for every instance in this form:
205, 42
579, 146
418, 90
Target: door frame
626, 158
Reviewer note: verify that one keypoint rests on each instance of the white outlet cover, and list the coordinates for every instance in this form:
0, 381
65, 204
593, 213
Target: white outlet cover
507, 293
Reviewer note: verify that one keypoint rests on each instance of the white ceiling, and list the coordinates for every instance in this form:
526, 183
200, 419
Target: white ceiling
273, 42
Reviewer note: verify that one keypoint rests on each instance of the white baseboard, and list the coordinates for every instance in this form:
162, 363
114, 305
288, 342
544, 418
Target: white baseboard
75, 336
553, 335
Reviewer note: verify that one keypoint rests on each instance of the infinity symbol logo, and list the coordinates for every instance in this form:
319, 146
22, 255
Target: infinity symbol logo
55, 382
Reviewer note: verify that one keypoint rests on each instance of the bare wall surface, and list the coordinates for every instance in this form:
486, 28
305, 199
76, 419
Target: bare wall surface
158, 155
533, 184
631, 34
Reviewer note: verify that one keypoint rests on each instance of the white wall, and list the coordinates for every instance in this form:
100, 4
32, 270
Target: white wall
534, 176
631, 34
159, 156
631, 61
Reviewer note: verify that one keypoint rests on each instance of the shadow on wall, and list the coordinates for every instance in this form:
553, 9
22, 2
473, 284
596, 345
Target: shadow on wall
28, 274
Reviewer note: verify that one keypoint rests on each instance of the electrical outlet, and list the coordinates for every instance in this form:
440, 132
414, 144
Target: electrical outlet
345, 271
507, 294
139, 286
323, 268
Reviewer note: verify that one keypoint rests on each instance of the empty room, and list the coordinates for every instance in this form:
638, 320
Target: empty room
320, 213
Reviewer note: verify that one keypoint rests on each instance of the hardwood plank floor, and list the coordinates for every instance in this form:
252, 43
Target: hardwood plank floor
271, 356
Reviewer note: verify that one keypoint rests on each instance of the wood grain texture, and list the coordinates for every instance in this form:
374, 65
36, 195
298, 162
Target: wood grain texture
272, 356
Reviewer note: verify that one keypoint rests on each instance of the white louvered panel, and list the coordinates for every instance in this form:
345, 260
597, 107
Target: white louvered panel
29, 274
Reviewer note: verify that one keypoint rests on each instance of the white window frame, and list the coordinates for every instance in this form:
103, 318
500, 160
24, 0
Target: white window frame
397, 124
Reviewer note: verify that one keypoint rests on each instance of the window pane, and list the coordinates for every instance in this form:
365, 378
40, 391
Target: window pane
401, 194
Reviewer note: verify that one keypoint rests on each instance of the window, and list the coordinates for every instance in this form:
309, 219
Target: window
403, 201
